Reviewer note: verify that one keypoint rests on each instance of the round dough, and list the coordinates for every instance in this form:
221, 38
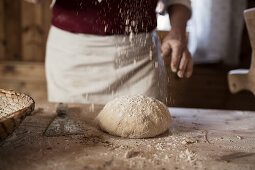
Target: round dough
134, 117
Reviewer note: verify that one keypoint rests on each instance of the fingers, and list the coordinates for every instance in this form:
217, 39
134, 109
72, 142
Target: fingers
183, 64
186, 65
177, 51
189, 69
181, 60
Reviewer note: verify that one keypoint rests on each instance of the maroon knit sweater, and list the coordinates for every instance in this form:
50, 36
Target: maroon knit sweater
105, 17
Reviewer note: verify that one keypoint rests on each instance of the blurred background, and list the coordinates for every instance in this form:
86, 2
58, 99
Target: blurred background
218, 41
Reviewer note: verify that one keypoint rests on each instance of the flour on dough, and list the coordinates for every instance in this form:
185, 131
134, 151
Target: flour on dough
134, 117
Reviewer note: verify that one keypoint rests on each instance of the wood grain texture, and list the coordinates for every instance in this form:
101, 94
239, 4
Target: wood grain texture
2, 35
47, 22
12, 29
197, 139
32, 32
26, 26
22, 71
36, 21
28, 78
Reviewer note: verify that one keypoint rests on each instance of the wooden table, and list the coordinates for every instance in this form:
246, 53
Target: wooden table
197, 139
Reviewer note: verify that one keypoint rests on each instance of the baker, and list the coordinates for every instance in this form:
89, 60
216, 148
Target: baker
100, 49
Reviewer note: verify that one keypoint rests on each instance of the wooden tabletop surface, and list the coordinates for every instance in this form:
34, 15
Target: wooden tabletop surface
197, 139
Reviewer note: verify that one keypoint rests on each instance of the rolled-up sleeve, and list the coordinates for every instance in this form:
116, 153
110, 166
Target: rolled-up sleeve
186, 3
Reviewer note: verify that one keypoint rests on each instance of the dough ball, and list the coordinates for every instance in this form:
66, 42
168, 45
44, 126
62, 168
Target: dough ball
134, 117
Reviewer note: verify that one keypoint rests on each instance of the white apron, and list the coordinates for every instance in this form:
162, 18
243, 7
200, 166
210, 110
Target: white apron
82, 68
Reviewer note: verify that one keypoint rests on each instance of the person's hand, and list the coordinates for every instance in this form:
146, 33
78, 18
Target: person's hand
175, 52
33, 1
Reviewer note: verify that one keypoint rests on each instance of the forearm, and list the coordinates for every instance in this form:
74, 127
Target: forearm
175, 43
33, 1
179, 16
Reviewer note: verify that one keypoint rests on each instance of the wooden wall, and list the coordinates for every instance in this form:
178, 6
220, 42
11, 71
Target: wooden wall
23, 30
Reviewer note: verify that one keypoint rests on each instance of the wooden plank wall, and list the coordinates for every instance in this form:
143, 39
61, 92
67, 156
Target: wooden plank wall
23, 30
2, 38
12, 30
